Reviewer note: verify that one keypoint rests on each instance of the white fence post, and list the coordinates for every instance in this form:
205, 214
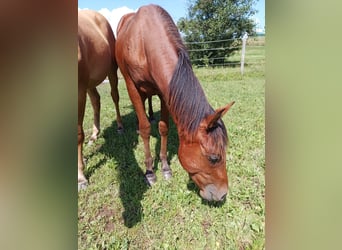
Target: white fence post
244, 39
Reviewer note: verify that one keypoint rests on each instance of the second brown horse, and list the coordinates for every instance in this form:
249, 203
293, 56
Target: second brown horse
96, 61
154, 61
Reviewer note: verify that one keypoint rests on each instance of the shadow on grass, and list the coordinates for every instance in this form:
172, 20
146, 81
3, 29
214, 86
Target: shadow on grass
120, 148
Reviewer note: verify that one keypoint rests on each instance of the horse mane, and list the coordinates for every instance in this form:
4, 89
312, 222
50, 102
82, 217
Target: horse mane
188, 103
186, 97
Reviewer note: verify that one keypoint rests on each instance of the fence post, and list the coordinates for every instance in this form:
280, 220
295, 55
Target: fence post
244, 39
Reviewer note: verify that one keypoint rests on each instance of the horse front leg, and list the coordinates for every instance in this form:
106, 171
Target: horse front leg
145, 131
144, 128
163, 127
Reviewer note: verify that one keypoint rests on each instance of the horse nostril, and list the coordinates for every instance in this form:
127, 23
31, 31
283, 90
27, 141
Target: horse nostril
223, 197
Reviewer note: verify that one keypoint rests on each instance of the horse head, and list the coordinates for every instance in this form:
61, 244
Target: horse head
203, 156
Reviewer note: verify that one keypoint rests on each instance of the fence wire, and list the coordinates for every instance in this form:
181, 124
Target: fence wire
238, 47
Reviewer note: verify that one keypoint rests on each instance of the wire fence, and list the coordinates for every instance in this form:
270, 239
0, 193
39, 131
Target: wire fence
254, 52
216, 41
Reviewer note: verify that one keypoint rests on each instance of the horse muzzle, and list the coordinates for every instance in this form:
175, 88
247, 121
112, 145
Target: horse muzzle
211, 193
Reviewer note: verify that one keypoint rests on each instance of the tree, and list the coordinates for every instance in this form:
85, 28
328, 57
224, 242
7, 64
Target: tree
215, 20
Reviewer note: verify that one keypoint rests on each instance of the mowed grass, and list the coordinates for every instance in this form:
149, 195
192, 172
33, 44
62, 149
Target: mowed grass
119, 211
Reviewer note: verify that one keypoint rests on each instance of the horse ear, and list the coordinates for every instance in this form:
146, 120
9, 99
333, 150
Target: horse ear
212, 119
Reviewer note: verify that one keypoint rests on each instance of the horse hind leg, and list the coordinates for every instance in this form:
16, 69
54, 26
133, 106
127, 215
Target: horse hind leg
82, 181
95, 102
163, 127
150, 110
113, 80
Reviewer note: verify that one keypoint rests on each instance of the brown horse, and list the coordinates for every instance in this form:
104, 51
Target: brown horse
96, 61
154, 61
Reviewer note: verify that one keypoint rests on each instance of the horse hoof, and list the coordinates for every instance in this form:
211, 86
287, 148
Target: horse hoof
152, 120
167, 174
120, 131
150, 178
82, 185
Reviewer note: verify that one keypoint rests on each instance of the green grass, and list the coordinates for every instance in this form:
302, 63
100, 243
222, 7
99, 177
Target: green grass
118, 210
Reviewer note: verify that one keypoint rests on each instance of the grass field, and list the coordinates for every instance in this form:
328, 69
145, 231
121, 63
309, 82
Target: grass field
119, 211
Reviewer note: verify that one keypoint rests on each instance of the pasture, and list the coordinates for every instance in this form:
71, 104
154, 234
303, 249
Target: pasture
119, 211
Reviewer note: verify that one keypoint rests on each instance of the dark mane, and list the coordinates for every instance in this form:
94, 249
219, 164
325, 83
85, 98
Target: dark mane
187, 101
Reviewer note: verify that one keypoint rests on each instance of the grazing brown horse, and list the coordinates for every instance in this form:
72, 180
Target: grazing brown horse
96, 61
154, 61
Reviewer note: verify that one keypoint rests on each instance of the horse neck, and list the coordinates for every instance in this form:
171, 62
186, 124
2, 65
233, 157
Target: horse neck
162, 69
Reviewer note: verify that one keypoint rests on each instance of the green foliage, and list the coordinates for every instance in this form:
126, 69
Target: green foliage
119, 211
215, 20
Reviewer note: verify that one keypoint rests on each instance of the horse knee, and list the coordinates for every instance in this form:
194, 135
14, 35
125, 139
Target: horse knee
163, 128
80, 136
144, 130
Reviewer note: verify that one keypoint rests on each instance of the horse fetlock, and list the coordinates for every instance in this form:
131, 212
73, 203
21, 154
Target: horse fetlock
93, 138
149, 163
120, 130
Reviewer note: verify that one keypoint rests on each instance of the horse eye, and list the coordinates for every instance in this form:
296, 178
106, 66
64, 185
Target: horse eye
214, 158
